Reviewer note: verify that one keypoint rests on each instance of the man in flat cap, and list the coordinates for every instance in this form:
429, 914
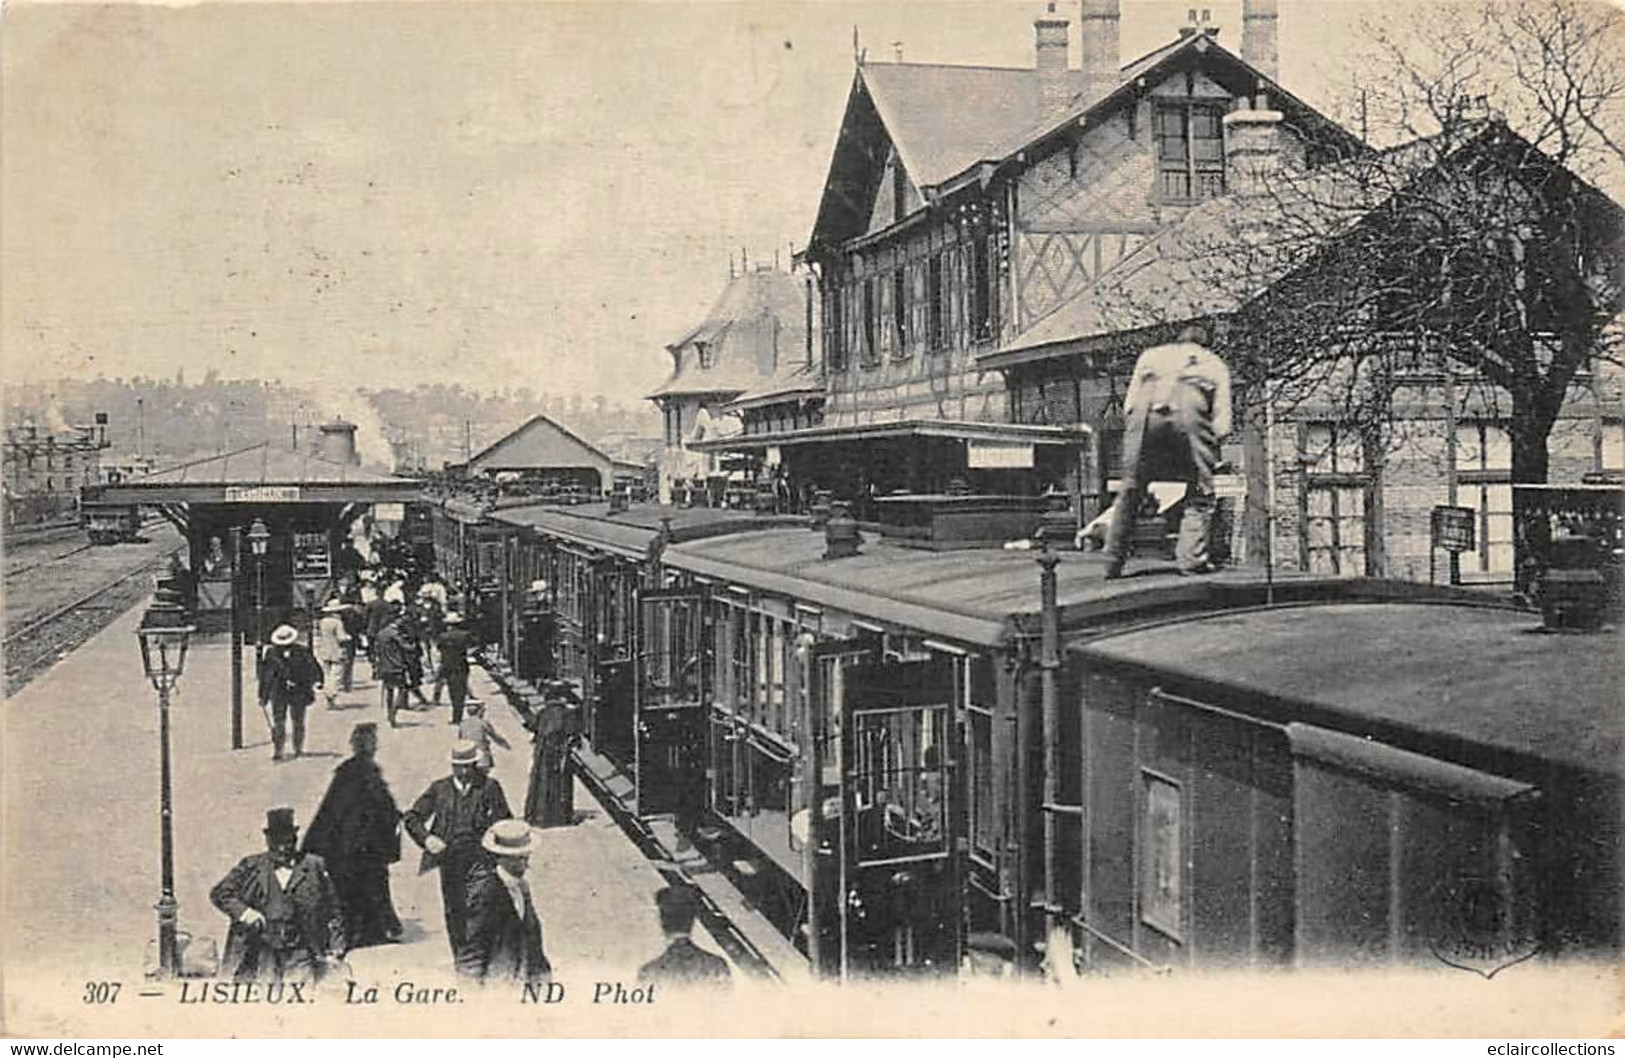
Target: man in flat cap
285, 921
1176, 412
449, 823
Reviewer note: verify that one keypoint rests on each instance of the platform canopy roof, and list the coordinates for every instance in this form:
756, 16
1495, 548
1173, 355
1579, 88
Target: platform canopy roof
258, 474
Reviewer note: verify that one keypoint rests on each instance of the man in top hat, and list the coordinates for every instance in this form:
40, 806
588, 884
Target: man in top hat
332, 640
449, 822
1175, 413
504, 931
289, 676
285, 921
683, 962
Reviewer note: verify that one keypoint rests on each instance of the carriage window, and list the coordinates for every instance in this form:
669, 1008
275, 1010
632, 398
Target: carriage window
900, 783
1162, 862
739, 657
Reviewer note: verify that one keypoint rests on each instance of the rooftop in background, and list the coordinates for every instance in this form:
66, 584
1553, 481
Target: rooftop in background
756, 327
274, 474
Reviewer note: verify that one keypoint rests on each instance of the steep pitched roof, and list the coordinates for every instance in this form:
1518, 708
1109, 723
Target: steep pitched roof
734, 331
946, 122
538, 442
943, 118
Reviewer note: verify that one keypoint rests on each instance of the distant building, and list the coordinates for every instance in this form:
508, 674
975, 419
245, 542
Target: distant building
43, 472
543, 454
756, 344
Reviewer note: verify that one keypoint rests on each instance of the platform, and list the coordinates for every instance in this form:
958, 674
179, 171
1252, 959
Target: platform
79, 835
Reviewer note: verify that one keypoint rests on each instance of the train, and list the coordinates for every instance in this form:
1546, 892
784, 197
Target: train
911, 759
111, 525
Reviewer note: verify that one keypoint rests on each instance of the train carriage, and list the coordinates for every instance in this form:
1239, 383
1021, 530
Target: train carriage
891, 751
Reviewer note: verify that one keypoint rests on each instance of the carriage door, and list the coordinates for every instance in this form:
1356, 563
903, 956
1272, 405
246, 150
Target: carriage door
671, 704
901, 908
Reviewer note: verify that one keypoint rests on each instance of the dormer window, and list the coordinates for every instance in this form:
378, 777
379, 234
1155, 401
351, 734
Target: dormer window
704, 350
1190, 151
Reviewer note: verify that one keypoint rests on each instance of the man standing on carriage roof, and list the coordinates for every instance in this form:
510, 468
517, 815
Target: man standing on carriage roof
1175, 413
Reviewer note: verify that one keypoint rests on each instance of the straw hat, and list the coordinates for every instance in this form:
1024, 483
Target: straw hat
508, 837
284, 635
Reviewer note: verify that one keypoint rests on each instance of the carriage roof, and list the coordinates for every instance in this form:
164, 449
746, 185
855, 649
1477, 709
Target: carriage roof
1484, 686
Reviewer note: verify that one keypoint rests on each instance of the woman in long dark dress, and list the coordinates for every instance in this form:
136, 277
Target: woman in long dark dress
356, 831
550, 801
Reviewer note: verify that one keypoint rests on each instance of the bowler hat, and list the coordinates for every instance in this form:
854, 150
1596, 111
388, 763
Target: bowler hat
508, 837
464, 751
284, 635
279, 823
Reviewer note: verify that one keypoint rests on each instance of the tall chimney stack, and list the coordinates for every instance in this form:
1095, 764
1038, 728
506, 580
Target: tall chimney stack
1055, 86
1252, 147
338, 443
1100, 47
1258, 47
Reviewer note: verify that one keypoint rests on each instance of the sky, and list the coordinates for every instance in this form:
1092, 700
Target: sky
500, 195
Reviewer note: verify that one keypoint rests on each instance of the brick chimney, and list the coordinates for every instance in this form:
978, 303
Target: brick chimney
1055, 85
1252, 147
1258, 48
1100, 46
338, 443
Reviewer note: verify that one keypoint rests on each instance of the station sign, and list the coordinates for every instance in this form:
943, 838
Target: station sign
998, 455
262, 493
1454, 528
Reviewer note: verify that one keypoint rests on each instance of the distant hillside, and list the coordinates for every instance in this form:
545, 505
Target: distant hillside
420, 428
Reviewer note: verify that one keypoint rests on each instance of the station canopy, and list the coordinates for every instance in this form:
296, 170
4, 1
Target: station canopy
258, 474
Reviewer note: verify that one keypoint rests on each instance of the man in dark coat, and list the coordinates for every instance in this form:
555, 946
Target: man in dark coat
504, 931
449, 822
683, 962
289, 676
389, 668
355, 831
285, 921
454, 647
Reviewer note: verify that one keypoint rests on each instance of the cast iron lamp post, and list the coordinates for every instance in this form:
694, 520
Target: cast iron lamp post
164, 634
258, 537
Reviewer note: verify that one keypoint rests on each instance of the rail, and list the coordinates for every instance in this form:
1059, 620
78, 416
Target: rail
22, 665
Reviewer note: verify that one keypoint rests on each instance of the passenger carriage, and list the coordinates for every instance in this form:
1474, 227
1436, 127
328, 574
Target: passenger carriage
892, 751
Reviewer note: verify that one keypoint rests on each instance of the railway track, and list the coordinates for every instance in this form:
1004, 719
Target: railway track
79, 547
55, 605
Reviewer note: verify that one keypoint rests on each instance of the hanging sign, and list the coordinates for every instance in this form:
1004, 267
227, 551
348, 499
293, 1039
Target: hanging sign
389, 512
995, 455
1453, 528
262, 493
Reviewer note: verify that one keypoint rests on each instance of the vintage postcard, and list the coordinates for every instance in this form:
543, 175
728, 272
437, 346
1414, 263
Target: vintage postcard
850, 518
